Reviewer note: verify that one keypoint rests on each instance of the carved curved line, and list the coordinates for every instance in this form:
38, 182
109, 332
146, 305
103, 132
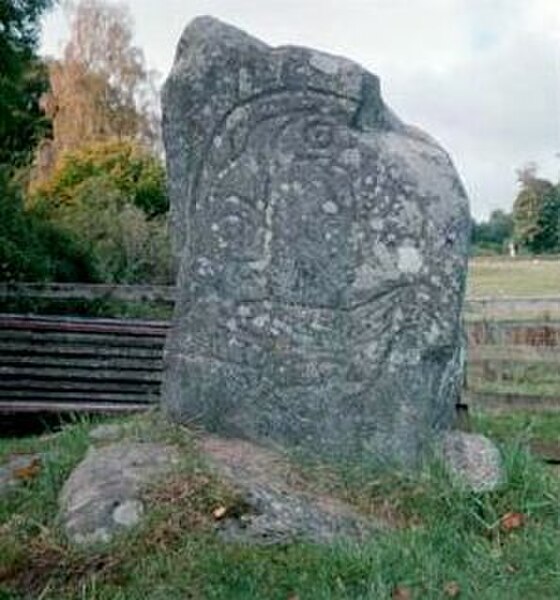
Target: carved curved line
236, 155
197, 171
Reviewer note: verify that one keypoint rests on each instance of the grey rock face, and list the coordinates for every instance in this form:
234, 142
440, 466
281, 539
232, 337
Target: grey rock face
279, 507
321, 246
101, 495
107, 432
473, 460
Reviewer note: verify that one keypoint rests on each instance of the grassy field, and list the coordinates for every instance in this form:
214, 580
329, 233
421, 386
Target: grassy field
524, 426
504, 277
446, 543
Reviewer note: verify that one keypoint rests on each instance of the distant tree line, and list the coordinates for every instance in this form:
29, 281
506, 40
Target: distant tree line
493, 235
533, 225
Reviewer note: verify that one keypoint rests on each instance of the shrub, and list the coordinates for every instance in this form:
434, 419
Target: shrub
34, 249
137, 175
129, 247
112, 195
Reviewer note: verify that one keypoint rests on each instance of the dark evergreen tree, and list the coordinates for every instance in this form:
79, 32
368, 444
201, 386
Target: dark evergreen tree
23, 80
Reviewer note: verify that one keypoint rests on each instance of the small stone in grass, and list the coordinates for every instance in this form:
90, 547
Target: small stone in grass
451, 589
473, 460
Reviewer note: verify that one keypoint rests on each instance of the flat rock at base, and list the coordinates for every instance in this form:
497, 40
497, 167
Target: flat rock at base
474, 460
110, 432
101, 495
321, 247
279, 508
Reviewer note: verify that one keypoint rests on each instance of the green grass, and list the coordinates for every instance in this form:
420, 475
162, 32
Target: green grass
498, 313
522, 388
519, 425
443, 534
38, 501
504, 277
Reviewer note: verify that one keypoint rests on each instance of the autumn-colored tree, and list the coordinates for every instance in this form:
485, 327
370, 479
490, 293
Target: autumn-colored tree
100, 176
135, 173
101, 89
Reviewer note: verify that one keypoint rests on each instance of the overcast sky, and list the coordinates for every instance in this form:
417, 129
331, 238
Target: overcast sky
482, 76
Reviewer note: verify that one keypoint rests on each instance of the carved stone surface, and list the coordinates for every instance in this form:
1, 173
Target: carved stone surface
321, 246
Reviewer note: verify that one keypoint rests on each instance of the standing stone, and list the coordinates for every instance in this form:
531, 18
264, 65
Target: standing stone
322, 249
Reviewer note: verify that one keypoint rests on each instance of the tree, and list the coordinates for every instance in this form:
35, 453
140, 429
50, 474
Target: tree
549, 221
101, 89
536, 213
22, 82
95, 178
30, 247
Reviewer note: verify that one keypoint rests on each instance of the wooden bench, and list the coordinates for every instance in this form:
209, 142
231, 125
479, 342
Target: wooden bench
79, 364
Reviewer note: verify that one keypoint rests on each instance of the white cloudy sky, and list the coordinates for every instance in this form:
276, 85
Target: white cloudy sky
482, 76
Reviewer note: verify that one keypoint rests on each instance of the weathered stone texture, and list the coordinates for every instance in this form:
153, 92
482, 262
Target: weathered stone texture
102, 495
280, 506
473, 460
322, 249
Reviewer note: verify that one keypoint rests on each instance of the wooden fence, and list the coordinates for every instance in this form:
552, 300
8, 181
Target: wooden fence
514, 364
